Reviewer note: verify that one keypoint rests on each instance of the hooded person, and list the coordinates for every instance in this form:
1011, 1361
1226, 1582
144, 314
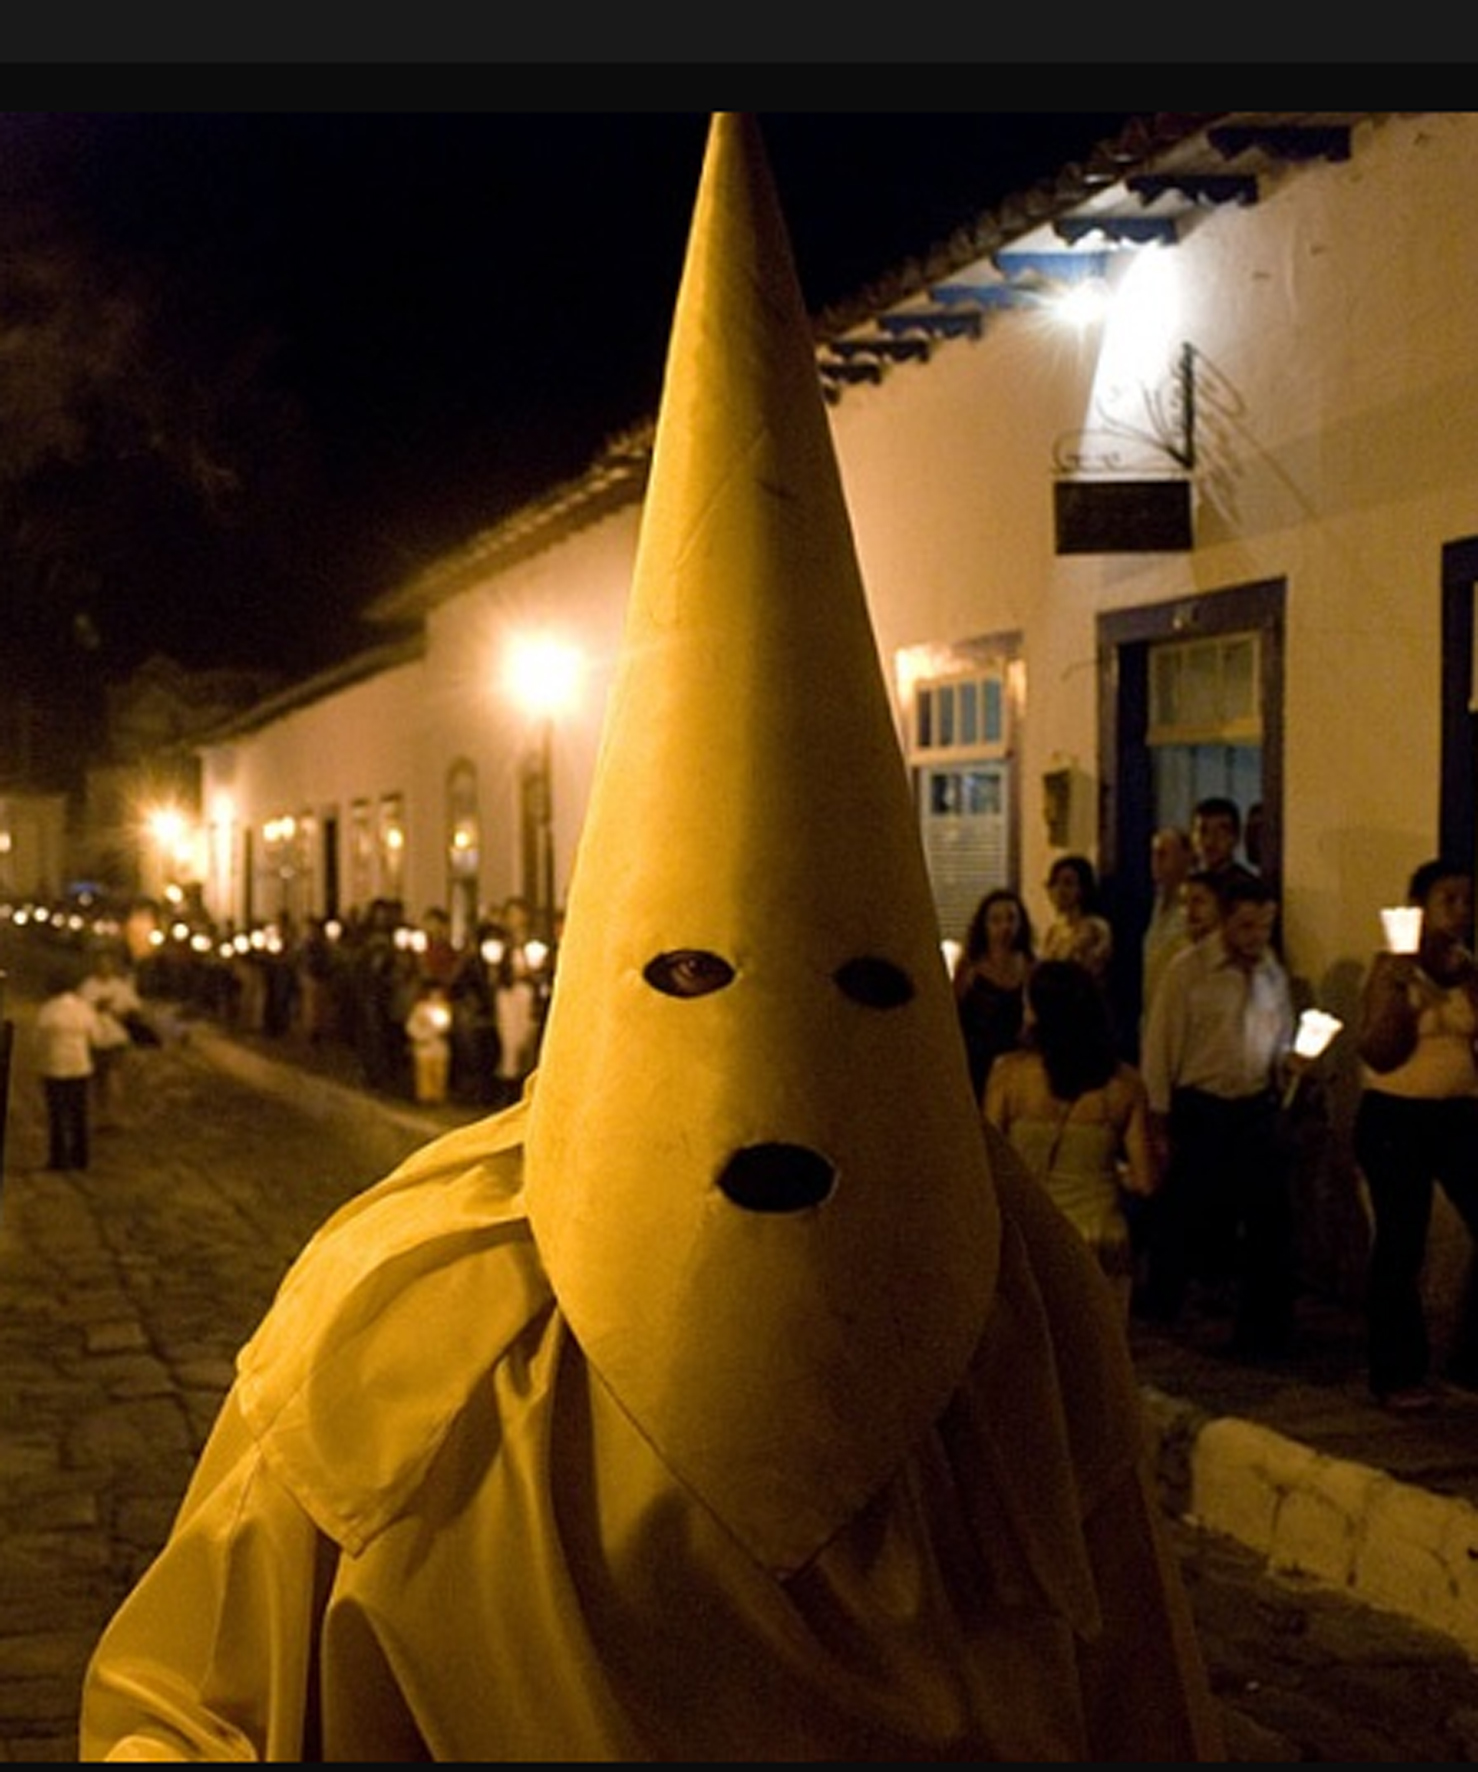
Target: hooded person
732, 1396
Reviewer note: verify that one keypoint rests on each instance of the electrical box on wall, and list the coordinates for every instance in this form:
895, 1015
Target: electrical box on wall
1122, 516
1057, 805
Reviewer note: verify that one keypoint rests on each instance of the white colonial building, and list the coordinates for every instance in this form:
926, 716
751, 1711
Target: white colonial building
1217, 534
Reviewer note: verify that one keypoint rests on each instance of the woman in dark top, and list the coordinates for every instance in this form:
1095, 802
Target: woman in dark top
990, 979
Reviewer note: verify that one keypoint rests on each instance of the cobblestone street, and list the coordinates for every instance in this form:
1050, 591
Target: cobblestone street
126, 1291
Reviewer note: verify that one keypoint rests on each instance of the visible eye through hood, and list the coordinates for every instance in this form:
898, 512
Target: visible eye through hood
754, 1168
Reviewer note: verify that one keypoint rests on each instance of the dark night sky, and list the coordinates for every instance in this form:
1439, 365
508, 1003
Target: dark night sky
257, 367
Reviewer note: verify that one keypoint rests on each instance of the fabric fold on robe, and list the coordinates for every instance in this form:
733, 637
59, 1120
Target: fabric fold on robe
384, 1436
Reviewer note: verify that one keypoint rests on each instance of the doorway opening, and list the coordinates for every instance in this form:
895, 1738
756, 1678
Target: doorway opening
1190, 704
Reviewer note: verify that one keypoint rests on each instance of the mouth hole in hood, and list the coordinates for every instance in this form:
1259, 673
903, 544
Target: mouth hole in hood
777, 1178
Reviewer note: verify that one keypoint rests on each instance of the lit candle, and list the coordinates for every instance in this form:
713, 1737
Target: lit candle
1402, 924
1314, 1032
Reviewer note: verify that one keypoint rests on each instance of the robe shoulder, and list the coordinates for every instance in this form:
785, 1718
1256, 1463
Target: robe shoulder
1050, 1420
388, 1324
396, 1309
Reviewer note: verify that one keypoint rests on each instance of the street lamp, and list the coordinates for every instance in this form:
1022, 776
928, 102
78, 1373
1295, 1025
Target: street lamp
170, 832
542, 674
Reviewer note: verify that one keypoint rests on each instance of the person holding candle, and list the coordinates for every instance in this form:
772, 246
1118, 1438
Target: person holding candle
1218, 1055
428, 1027
1416, 1126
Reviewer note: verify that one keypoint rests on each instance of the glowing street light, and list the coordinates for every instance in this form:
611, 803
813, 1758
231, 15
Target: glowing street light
167, 828
542, 675
173, 839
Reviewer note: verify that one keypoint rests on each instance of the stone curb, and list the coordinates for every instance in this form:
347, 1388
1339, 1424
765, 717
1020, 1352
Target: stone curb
1359, 1530
306, 1090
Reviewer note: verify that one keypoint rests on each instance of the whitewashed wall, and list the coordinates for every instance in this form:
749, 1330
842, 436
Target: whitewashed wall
1337, 339
363, 742
1338, 323
33, 846
576, 593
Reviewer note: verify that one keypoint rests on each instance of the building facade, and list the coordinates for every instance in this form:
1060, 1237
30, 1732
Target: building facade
33, 846
1219, 536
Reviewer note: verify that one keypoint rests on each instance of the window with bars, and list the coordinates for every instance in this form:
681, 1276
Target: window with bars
1204, 691
1205, 723
959, 752
392, 845
963, 713
361, 854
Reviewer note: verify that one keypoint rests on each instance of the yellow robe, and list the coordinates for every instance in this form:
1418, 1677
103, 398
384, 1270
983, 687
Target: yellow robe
423, 1529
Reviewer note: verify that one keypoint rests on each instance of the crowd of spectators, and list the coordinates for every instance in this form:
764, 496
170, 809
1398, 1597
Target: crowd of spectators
350, 982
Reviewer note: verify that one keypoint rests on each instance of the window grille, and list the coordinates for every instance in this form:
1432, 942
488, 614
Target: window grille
1205, 691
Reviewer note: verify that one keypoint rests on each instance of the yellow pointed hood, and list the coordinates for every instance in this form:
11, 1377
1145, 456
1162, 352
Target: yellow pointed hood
754, 1167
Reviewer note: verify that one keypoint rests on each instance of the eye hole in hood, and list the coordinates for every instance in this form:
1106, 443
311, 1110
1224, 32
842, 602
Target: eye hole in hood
688, 972
874, 982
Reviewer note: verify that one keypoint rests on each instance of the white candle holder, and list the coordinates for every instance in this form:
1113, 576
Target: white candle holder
1316, 1028
1402, 924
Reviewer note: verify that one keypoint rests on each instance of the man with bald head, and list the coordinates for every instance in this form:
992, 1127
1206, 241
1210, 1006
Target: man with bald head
1171, 860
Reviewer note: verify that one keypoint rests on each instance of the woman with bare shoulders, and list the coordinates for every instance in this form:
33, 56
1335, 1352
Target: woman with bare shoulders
1077, 1113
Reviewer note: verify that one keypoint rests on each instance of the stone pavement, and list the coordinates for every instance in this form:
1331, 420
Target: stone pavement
125, 1291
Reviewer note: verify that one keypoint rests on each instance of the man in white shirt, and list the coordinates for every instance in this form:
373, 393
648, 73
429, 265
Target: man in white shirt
1218, 1047
1165, 934
67, 1027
